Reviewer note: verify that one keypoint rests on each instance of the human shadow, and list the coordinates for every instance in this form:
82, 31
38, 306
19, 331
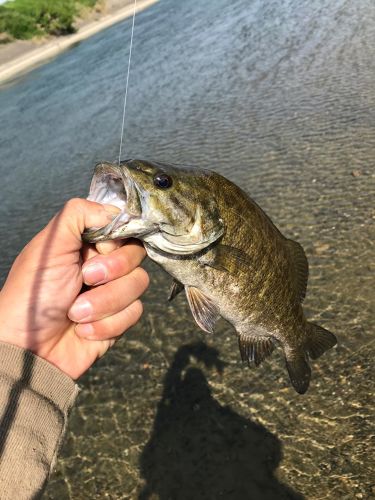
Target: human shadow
200, 449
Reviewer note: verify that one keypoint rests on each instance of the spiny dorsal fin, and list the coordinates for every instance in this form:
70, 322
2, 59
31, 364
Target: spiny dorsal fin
299, 373
300, 268
319, 340
204, 310
254, 349
176, 288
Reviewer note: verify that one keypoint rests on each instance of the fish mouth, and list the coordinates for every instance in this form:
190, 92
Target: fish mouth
112, 185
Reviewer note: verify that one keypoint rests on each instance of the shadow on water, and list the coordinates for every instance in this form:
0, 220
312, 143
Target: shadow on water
200, 449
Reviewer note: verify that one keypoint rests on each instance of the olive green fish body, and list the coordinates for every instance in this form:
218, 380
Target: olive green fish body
226, 253
257, 290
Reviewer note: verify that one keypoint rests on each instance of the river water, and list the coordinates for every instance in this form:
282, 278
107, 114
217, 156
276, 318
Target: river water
279, 96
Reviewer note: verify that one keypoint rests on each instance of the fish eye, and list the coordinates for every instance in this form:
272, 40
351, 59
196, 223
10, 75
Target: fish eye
162, 180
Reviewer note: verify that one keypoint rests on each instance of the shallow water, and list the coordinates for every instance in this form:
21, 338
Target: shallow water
278, 96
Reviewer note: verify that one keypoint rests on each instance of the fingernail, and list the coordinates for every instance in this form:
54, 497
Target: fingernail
85, 330
94, 274
80, 310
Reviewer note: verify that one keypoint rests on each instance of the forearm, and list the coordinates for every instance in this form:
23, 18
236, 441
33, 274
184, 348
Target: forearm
35, 399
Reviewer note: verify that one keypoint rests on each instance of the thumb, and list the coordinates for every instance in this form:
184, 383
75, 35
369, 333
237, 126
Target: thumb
66, 228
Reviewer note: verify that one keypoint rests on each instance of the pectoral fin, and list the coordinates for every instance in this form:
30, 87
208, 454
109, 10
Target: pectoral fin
176, 288
226, 258
254, 349
204, 310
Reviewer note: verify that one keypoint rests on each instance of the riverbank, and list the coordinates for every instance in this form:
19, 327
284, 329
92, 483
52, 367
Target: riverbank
21, 56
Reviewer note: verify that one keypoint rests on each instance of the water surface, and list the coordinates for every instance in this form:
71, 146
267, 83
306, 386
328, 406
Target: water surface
279, 97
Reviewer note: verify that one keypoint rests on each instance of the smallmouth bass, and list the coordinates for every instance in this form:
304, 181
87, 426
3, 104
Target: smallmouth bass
223, 250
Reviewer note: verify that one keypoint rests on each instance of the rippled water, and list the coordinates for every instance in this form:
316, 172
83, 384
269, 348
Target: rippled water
280, 97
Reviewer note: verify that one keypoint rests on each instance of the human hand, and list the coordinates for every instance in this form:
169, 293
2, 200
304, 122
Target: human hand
42, 307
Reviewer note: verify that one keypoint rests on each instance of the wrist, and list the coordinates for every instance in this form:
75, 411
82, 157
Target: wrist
31, 372
27, 341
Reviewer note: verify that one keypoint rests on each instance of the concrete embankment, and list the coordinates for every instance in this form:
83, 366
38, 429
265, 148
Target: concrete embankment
32, 56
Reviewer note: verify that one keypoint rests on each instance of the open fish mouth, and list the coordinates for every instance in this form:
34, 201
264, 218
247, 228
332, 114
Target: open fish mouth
111, 185
108, 187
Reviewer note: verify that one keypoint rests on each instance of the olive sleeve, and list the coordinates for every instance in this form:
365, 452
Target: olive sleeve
35, 399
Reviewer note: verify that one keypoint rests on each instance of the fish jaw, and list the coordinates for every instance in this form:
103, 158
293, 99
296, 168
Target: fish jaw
122, 227
111, 185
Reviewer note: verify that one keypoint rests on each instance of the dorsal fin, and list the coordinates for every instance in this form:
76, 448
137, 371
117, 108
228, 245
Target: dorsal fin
299, 268
204, 310
254, 349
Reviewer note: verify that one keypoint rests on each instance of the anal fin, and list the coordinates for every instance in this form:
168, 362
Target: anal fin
204, 310
319, 340
254, 349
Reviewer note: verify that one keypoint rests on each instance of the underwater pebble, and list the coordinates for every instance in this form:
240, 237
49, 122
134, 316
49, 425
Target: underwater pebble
321, 247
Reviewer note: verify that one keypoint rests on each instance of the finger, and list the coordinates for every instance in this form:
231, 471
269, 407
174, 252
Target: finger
103, 247
62, 235
66, 228
106, 247
104, 268
112, 326
88, 252
110, 298
79, 214
104, 345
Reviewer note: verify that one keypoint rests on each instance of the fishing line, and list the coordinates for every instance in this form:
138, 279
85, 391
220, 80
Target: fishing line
127, 83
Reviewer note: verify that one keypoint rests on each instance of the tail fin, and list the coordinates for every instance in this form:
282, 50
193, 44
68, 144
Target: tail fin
299, 372
319, 340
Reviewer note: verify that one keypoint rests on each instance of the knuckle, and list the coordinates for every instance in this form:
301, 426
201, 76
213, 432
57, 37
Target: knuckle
72, 212
133, 253
119, 264
135, 312
100, 332
140, 250
73, 205
140, 308
103, 329
143, 277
